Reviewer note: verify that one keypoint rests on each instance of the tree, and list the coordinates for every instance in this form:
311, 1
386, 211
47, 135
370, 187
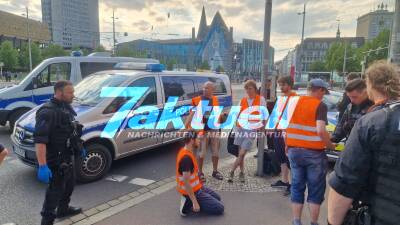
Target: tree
8, 55
127, 52
220, 69
204, 66
381, 41
335, 58
318, 66
171, 63
53, 51
100, 48
24, 56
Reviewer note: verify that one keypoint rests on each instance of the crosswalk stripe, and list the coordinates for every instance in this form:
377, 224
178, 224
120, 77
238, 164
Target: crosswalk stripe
141, 181
116, 178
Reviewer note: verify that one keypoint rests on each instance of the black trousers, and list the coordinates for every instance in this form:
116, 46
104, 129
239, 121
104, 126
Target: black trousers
59, 191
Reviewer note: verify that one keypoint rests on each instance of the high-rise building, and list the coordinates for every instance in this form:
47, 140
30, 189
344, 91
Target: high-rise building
72, 23
371, 24
14, 28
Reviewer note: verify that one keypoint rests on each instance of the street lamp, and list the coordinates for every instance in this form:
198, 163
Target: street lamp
302, 38
29, 38
114, 40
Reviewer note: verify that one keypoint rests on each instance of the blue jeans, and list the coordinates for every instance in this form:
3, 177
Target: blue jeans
209, 201
309, 169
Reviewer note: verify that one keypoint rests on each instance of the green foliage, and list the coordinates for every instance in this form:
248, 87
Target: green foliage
127, 52
53, 51
100, 48
171, 63
318, 66
220, 69
381, 41
8, 55
204, 66
335, 58
24, 56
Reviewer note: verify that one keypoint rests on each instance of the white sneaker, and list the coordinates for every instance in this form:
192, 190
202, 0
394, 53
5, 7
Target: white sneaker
182, 206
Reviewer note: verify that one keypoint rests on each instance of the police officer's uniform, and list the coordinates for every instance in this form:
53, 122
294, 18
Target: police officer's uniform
54, 128
349, 118
368, 170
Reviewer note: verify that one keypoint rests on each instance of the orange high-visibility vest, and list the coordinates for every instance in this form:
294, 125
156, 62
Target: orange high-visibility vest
302, 129
244, 104
196, 101
194, 177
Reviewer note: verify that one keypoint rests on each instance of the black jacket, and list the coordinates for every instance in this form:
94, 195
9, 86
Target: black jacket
352, 171
54, 127
349, 118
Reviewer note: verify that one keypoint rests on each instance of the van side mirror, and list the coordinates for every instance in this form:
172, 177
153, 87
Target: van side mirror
34, 82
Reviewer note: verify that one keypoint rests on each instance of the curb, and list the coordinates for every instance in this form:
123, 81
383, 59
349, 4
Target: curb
117, 205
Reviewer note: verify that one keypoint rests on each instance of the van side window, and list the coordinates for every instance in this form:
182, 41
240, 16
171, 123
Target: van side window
220, 88
150, 99
182, 87
88, 68
53, 73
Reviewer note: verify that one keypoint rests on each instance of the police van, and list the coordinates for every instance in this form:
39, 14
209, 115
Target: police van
95, 112
37, 87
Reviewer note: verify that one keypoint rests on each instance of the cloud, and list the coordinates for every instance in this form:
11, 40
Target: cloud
246, 16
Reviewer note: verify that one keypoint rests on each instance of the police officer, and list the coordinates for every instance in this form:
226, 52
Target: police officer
53, 133
368, 169
342, 105
356, 90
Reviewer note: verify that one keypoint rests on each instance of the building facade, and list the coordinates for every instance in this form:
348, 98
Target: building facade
315, 49
72, 23
15, 29
371, 24
213, 45
252, 52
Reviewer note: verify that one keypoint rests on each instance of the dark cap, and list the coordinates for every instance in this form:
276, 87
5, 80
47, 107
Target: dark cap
319, 83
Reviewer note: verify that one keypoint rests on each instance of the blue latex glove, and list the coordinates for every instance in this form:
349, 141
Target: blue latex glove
44, 174
83, 153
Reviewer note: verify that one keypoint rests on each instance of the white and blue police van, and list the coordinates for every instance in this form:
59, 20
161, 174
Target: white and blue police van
37, 87
97, 113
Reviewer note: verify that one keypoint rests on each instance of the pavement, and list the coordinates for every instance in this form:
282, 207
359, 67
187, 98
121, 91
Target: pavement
253, 202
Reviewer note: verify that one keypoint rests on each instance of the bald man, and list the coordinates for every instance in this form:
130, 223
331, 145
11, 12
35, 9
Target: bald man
208, 138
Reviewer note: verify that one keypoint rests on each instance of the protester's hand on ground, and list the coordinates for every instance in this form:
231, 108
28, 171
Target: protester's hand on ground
196, 207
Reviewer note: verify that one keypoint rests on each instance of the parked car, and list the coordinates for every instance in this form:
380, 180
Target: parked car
94, 112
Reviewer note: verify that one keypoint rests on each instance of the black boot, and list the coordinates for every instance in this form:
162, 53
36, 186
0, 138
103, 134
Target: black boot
46, 221
70, 211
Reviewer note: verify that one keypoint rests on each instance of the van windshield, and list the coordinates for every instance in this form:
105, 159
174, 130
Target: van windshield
88, 91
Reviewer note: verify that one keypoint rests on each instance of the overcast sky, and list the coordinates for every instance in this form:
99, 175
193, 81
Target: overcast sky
246, 16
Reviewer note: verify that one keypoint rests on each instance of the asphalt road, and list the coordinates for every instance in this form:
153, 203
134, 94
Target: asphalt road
21, 194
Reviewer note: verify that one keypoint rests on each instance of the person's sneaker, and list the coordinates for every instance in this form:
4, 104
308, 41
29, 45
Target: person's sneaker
182, 210
217, 175
231, 176
279, 183
287, 191
296, 222
241, 177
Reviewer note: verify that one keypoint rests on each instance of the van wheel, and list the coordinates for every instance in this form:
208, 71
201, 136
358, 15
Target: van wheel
96, 164
14, 116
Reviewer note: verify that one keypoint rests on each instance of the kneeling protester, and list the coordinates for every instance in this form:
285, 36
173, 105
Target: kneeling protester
194, 195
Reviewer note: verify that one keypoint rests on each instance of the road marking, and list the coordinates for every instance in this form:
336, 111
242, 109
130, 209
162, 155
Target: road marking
141, 181
116, 178
14, 162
